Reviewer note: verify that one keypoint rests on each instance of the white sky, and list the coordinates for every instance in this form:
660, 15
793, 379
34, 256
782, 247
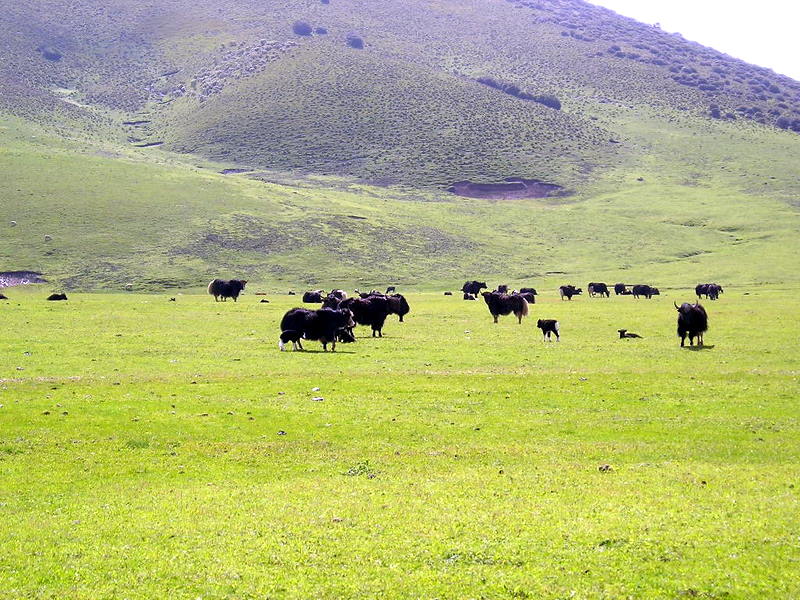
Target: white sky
762, 32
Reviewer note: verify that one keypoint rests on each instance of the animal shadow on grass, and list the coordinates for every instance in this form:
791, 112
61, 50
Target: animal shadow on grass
698, 348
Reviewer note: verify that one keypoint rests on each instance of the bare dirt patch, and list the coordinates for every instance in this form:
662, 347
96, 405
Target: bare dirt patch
511, 188
12, 278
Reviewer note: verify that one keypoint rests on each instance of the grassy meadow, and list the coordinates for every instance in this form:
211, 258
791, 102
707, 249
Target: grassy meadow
154, 449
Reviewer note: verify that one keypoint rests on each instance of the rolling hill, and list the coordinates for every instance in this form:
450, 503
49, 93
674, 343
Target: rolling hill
311, 142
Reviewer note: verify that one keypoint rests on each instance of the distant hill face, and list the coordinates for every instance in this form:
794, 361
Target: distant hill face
414, 93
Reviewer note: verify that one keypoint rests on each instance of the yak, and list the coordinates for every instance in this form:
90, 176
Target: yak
645, 290
529, 296
3, 296
598, 289
549, 327
325, 325
370, 311
568, 291
710, 290
221, 288
692, 322
505, 304
473, 287
621, 289
398, 305
55, 297
528, 290
313, 297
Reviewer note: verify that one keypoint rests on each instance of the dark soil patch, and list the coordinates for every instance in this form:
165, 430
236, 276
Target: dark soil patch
11, 278
234, 171
512, 188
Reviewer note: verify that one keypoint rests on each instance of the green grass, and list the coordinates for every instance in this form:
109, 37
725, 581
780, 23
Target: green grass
140, 455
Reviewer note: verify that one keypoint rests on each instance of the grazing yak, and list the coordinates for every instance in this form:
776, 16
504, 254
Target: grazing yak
598, 289
528, 290
502, 289
549, 327
3, 296
624, 334
529, 297
398, 305
505, 304
473, 287
710, 290
371, 311
221, 288
55, 297
568, 291
313, 297
448, 293
692, 321
645, 290
325, 325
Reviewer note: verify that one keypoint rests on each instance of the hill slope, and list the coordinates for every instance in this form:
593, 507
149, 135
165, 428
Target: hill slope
662, 175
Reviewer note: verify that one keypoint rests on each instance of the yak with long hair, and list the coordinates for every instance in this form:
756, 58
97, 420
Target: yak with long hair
505, 304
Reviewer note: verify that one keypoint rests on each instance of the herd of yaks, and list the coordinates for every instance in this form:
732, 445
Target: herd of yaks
335, 320
340, 314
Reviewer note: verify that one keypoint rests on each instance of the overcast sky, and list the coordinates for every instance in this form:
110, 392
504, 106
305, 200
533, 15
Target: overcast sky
761, 32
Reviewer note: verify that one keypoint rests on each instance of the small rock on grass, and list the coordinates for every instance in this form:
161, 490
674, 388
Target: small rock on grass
605, 468
318, 399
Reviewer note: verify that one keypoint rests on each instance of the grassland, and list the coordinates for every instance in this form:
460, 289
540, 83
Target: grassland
140, 453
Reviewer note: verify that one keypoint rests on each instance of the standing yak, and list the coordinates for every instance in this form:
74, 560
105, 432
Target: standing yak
473, 287
221, 288
692, 321
398, 305
370, 311
505, 304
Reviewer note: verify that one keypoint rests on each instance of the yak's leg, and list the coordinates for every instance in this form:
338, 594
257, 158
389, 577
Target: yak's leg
333, 345
495, 318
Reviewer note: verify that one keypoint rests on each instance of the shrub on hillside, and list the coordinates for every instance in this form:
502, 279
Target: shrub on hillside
302, 28
355, 42
548, 100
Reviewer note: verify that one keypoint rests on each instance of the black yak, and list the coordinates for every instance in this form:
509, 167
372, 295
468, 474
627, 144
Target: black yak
473, 287
313, 297
710, 290
692, 321
568, 291
325, 325
398, 305
220, 288
645, 290
596, 289
528, 290
505, 304
529, 296
55, 297
371, 311
621, 289
3, 297
549, 327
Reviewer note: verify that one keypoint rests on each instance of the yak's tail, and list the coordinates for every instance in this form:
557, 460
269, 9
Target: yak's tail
524, 307
211, 287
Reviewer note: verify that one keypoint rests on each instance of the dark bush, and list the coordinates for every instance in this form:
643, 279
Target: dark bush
783, 122
50, 54
320, 31
355, 42
714, 112
548, 100
302, 28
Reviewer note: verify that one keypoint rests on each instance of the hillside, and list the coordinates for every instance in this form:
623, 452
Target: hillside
347, 122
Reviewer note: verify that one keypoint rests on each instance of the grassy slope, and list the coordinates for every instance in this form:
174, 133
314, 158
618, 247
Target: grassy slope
453, 458
712, 206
